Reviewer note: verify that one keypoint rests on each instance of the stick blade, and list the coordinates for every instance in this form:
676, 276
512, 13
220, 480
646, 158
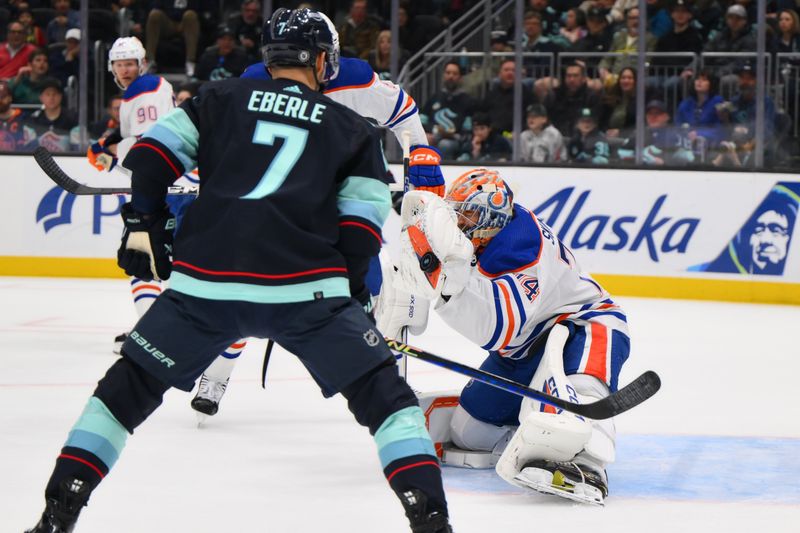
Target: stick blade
628, 397
46, 162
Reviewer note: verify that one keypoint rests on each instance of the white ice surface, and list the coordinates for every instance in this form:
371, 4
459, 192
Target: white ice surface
704, 455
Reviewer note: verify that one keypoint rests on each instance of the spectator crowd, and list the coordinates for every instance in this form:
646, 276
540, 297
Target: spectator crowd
579, 107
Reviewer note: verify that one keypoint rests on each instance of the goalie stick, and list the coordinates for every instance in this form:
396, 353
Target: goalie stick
46, 162
629, 396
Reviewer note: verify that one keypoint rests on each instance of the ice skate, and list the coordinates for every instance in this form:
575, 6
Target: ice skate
60, 514
567, 480
209, 394
118, 340
416, 503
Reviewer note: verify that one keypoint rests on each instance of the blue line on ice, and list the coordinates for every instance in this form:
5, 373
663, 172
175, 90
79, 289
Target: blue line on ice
684, 467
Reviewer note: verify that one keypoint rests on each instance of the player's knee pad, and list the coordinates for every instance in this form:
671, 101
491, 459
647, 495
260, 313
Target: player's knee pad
130, 393
375, 396
469, 433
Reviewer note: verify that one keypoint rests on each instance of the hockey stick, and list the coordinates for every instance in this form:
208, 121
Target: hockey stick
46, 162
631, 395
402, 363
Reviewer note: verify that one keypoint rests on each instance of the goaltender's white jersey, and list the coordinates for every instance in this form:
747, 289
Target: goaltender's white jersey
359, 88
145, 100
525, 281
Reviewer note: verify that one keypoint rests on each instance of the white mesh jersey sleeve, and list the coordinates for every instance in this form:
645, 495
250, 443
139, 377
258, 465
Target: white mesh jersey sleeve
385, 103
507, 311
146, 100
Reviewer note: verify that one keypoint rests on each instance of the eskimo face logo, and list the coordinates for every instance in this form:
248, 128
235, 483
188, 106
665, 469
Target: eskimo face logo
371, 338
770, 239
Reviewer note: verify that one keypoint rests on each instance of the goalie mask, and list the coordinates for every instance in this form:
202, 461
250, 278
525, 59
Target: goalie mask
484, 204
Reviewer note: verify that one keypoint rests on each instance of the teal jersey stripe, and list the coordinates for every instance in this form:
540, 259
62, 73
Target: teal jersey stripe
405, 448
98, 420
177, 131
97, 444
403, 426
260, 294
365, 197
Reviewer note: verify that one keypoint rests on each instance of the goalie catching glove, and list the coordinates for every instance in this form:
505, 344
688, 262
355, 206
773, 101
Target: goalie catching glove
146, 247
435, 255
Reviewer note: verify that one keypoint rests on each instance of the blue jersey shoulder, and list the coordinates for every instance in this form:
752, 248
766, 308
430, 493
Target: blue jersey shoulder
143, 84
516, 246
256, 71
352, 72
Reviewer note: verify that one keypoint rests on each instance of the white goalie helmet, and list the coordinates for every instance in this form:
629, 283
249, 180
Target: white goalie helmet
127, 48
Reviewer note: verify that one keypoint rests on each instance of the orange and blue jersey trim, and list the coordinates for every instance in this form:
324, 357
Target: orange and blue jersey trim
142, 85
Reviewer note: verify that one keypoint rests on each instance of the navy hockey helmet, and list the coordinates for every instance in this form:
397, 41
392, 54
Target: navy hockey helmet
294, 37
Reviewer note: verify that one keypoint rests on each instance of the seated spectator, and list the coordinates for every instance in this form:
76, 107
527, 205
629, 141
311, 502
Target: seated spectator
168, 18
64, 62
625, 41
478, 78
359, 32
549, 17
52, 126
541, 142
14, 52
737, 36
659, 22
665, 145
446, 117
565, 102
598, 37
738, 151
699, 110
223, 61
620, 9
485, 144
109, 121
789, 31
64, 19
246, 27
618, 115
11, 124
33, 33
744, 102
25, 85
683, 37
186, 91
574, 27
499, 101
588, 144
534, 41
380, 57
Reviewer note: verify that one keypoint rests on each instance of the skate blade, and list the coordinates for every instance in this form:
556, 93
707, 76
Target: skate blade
542, 481
201, 419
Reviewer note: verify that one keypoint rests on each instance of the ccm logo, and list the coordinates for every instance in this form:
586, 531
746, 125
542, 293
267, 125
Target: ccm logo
425, 157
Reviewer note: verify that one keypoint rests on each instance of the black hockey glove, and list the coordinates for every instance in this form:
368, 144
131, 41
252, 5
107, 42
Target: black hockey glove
146, 247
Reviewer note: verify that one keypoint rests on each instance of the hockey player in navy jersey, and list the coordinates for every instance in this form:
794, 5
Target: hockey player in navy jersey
356, 86
506, 282
262, 269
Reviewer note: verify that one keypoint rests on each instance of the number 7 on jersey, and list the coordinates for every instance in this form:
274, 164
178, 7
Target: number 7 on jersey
294, 143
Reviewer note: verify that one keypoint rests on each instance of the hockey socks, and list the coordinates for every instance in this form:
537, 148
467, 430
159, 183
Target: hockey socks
144, 294
408, 457
92, 448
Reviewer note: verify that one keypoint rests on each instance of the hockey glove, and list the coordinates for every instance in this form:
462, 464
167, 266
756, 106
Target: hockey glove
146, 247
101, 157
424, 172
